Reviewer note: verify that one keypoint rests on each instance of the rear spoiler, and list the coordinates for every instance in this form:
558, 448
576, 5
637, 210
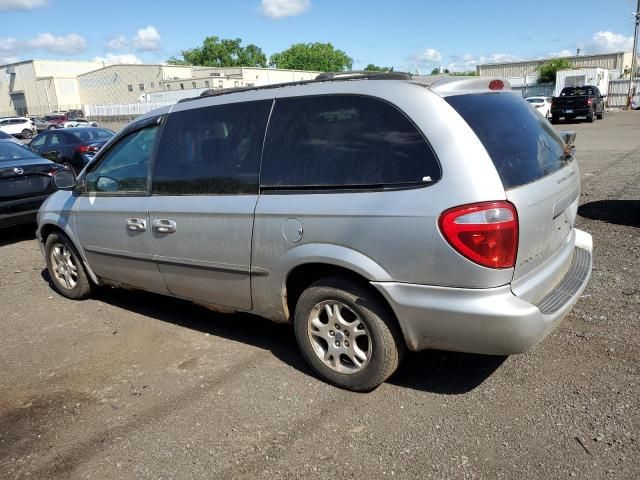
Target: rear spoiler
453, 85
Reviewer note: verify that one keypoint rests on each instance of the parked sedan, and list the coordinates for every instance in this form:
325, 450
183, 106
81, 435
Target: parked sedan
18, 126
25, 182
72, 147
5, 137
79, 122
542, 104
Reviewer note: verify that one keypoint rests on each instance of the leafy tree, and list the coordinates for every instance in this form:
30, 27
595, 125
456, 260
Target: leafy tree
312, 56
222, 52
435, 71
547, 71
374, 68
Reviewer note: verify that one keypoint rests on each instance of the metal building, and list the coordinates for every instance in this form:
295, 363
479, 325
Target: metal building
615, 62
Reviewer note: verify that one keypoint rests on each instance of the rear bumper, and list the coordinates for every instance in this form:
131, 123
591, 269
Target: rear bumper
490, 321
575, 112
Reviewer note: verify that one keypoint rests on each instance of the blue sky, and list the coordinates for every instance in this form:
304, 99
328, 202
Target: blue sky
406, 34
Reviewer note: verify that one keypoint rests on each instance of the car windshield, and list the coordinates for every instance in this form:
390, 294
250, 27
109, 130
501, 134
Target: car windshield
576, 91
94, 134
10, 151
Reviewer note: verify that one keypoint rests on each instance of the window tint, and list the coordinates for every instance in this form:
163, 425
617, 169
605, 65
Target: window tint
523, 146
125, 167
11, 151
58, 139
212, 150
39, 140
93, 134
577, 91
343, 141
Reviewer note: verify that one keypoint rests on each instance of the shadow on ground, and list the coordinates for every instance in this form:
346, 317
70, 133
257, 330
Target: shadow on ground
20, 233
620, 212
432, 371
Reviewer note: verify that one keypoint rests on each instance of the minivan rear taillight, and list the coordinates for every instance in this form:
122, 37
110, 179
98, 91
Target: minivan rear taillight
485, 233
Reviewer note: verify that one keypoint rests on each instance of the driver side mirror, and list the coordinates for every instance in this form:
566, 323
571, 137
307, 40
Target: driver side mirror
64, 180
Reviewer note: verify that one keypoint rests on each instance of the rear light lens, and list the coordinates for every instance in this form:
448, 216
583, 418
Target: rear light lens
87, 149
485, 233
589, 101
496, 85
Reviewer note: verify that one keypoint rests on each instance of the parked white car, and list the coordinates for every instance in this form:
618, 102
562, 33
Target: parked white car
79, 122
542, 104
18, 126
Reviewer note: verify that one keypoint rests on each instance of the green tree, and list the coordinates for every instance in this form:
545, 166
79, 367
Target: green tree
374, 68
222, 52
321, 57
547, 71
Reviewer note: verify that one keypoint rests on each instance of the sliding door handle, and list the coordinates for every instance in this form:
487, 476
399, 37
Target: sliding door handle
162, 225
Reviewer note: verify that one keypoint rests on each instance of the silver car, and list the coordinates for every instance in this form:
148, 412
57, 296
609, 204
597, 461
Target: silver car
374, 213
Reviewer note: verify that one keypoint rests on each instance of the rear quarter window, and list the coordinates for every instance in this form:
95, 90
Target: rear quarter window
523, 146
344, 141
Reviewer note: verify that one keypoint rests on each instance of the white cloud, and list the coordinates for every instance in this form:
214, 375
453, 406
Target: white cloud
562, 53
284, 8
113, 59
118, 43
147, 39
71, 43
610, 42
430, 55
22, 4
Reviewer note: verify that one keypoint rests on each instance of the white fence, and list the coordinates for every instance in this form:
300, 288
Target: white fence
123, 110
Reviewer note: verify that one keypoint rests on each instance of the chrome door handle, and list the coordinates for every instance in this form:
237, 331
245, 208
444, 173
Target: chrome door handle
136, 224
162, 225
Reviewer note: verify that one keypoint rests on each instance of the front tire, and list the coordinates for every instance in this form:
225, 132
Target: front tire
26, 133
66, 270
346, 335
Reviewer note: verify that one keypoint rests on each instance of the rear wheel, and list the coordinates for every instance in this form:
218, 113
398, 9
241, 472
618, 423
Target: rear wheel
65, 268
346, 335
555, 119
26, 133
51, 127
601, 114
591, 117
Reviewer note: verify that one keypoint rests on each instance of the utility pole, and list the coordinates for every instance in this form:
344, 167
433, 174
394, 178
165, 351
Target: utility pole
634, 57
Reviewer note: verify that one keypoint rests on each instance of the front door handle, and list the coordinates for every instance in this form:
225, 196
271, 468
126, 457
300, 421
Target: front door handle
136, 224
162, 225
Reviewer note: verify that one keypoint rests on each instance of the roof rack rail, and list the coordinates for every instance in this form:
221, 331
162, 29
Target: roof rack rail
323, 77
363, 75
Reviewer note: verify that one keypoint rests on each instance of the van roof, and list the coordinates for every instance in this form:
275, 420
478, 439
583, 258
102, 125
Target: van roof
441, 84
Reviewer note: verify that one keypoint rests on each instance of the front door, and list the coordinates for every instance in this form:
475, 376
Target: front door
205, 189
112, 216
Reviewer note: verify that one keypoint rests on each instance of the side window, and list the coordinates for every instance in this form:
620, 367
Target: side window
58, 139
125, 167
212, 150
344, 141
39, 141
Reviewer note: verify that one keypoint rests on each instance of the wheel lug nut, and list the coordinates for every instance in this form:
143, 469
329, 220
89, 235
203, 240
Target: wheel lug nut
346, 344
337, 344
331, 333
337, 326
346, 333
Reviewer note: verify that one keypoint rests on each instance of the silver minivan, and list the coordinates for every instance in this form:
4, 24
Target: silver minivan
375, 213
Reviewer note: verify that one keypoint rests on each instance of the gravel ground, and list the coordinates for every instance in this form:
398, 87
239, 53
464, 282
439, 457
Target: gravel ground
131, 385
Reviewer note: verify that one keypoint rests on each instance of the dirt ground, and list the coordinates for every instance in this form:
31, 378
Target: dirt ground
132, 385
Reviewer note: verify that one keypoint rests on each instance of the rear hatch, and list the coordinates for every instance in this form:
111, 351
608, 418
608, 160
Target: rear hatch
538, 178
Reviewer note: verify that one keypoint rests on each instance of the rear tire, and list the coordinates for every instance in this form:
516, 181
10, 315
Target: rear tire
591, 117
346, 335
65, 267
51, 127
26, 133
555, 119
600, 115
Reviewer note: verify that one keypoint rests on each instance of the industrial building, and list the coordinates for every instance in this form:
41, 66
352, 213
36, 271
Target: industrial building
617, 63
37, 87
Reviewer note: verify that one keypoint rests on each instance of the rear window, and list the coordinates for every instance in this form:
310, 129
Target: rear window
10, 151
576, 91
523, 146
93, 134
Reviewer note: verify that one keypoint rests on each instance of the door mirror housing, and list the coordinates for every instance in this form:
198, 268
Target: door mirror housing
64, 180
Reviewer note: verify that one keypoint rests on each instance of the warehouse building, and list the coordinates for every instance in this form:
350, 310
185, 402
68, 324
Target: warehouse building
616, 63
42, 84
37, 87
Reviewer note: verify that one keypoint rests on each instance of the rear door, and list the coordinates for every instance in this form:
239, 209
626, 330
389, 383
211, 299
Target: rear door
205, 189
538, 179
